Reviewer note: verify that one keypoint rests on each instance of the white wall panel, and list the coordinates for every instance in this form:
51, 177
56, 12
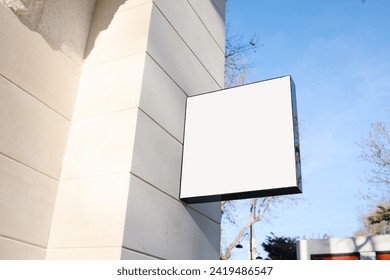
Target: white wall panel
110, 87
173, 55
15, 250
167, 228
35, 134
27, 60
119, 35
90, 212
101, 145
194, 33
157, 156
212, 18
162, 99
27, 203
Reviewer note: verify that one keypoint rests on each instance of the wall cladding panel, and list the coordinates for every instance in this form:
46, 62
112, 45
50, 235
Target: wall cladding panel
162, 99
27, 203
101, 145
44, 73
174, 230
117, 36
36, 135
190, 28
110, 87
212, 18
97, 213
157, 156
173, 55
15, 250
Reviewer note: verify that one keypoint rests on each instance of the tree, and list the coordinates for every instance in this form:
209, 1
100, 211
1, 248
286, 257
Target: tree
376, 151
237, 64
376, 221
258, 209
280, 248
237, 52
381, 214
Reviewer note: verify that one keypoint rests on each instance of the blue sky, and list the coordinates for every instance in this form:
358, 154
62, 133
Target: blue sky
338, 53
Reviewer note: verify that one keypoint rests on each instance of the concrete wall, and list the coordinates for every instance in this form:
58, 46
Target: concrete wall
183, 58
91, 154
38, 86
91, 204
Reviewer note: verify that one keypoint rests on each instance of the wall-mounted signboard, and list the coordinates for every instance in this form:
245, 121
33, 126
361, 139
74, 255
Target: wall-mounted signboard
241, 142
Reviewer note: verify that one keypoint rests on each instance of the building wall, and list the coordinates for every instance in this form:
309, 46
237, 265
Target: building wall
92, 155
366, 247
38, 85
91, 204
183, 58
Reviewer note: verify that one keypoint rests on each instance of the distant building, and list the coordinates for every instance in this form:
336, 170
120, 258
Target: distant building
349, 248
92, 104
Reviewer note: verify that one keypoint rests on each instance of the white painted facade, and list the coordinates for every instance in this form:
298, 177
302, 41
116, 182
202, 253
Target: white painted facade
92, 103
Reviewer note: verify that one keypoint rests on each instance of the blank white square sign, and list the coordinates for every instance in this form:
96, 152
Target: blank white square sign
241, 142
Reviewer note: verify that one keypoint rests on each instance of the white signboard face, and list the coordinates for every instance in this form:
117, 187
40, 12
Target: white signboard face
241, 142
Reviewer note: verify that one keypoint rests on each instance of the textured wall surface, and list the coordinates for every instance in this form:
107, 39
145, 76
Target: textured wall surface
64, 24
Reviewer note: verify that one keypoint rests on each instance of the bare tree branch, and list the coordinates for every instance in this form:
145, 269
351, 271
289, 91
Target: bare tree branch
237, 51
376, 151
259, 209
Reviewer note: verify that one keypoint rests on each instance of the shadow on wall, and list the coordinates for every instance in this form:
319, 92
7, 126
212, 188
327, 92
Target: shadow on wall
107, 10
28, 12
207, 227
64, 24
